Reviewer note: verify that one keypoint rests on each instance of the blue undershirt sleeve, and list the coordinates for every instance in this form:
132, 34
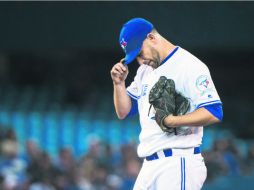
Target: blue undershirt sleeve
216, 110
134, 107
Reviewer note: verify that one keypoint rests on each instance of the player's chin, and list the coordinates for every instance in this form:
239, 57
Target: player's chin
153, 64
149, 63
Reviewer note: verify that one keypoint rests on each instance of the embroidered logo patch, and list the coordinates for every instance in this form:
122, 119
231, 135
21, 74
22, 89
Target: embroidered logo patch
203, 83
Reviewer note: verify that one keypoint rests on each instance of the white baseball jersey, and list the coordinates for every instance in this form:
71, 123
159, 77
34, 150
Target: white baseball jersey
192, 79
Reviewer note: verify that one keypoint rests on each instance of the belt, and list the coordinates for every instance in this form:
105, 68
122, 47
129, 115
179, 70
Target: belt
169, 152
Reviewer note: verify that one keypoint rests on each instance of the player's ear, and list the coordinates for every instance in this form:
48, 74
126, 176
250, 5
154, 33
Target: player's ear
151, 36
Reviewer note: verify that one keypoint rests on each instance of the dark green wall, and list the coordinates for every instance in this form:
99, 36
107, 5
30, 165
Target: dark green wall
91, 25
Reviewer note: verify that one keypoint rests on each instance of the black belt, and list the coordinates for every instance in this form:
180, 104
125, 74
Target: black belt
169, 152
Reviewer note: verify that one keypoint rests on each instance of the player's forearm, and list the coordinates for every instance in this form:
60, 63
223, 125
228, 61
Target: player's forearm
122, 101
200, 117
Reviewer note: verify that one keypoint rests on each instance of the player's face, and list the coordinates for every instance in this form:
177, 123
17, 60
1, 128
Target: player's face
149, 55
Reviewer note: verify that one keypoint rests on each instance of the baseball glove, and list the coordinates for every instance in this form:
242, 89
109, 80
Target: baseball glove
166, 101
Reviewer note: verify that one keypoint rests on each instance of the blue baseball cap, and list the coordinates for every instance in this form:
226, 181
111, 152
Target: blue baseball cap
132, 35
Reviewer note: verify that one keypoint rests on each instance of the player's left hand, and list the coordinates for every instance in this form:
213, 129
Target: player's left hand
166, 101
162, 97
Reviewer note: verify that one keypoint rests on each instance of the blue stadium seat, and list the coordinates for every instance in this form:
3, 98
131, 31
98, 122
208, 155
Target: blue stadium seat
50, 133
81, 131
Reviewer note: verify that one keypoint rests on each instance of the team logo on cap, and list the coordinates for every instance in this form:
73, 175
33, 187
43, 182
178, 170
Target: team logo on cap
123, 44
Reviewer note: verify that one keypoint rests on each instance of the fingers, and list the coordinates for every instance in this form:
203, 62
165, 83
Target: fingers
119, 72
123, 66
119, 68
122, 61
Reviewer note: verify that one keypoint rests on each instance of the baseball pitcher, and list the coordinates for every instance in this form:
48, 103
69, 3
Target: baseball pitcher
174, 95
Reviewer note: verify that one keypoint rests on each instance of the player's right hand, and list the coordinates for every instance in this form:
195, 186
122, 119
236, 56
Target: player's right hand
119, 72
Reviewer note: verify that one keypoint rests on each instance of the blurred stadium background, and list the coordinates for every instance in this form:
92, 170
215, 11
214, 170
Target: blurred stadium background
58, 129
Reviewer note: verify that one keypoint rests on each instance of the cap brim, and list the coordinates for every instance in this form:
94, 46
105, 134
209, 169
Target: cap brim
131, 56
